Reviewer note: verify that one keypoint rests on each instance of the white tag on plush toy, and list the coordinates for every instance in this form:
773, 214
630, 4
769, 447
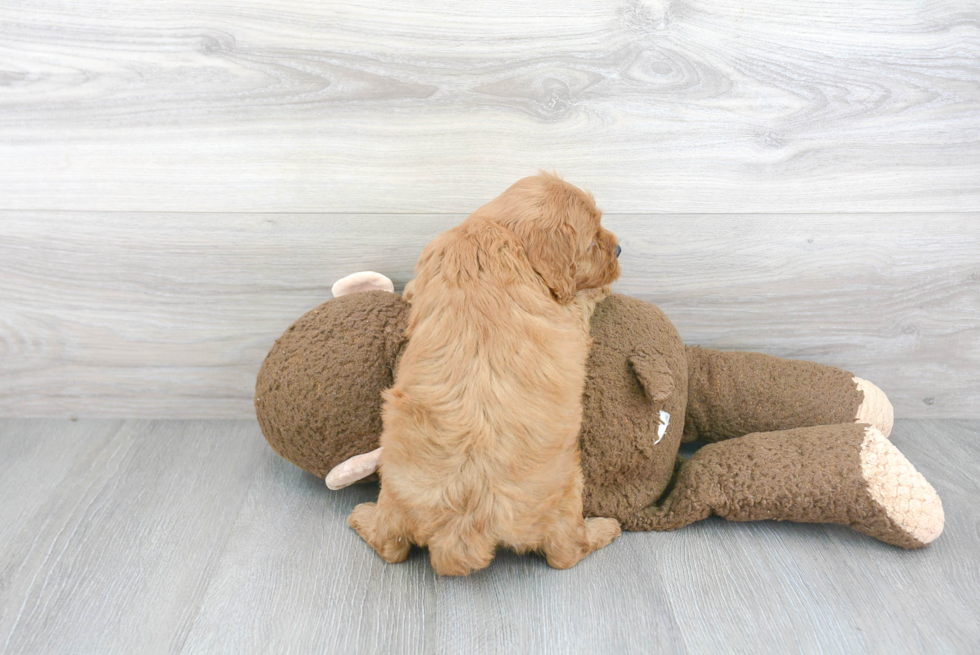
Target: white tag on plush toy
662, 430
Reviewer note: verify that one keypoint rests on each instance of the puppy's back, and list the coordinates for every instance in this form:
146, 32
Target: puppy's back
493, 371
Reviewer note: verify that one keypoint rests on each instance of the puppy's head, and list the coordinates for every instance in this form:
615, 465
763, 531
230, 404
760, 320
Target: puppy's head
559, 226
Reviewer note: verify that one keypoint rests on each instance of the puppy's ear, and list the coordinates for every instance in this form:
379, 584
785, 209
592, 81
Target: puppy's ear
550, 244
551, 241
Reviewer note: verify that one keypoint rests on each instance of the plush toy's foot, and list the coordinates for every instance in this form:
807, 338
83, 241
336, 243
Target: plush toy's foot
911, 506
363, 281
875, 410
847, 474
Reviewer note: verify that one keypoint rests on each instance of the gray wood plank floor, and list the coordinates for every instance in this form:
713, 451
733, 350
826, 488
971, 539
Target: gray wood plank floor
193, 537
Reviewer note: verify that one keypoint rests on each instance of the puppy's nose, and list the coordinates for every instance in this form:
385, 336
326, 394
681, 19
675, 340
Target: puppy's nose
617, 251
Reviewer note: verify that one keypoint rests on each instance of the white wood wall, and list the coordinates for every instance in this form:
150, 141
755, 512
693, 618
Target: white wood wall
180, 180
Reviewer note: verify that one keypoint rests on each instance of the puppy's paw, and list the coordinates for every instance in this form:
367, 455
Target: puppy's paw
392, 548
601, 531
363, 519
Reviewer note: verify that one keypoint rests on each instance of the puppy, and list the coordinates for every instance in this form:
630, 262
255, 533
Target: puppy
480, 438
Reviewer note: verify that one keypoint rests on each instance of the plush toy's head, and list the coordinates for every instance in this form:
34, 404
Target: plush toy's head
318, 395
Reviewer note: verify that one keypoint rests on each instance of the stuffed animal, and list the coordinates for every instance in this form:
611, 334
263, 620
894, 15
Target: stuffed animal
786, 440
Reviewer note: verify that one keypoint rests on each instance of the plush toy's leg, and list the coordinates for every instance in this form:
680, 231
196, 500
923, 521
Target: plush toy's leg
847, 474
731, 394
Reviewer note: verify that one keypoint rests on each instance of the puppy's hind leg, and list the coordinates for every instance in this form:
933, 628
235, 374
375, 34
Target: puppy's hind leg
575, 537
380, 525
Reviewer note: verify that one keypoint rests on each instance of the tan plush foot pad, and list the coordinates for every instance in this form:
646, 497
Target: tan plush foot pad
875, 409
907, 498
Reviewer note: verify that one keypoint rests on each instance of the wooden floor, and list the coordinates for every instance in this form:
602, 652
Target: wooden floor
194, 537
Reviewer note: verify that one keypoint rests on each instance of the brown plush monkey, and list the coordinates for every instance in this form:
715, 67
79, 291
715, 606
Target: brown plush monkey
787, 440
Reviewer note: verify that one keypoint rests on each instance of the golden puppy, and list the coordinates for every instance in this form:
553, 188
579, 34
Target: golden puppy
480, 439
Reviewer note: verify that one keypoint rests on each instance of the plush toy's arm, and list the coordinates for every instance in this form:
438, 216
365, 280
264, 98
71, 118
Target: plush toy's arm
846, 474
353, 470
731, 394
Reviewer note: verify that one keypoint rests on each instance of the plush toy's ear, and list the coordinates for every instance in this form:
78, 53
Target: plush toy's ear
654, 375
363, 281
351, 470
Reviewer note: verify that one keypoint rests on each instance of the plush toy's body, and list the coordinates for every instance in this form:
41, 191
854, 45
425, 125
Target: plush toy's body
788, 440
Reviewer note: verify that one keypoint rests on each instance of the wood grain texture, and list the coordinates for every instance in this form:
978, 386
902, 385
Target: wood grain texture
157, 315
114, 558
368, 106
827, 589
193, 537
292, 580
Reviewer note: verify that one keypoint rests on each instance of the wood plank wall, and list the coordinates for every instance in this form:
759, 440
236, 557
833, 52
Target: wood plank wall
180, 180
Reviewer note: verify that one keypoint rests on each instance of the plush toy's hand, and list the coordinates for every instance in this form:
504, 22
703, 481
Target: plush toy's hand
351, 470
362, 281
